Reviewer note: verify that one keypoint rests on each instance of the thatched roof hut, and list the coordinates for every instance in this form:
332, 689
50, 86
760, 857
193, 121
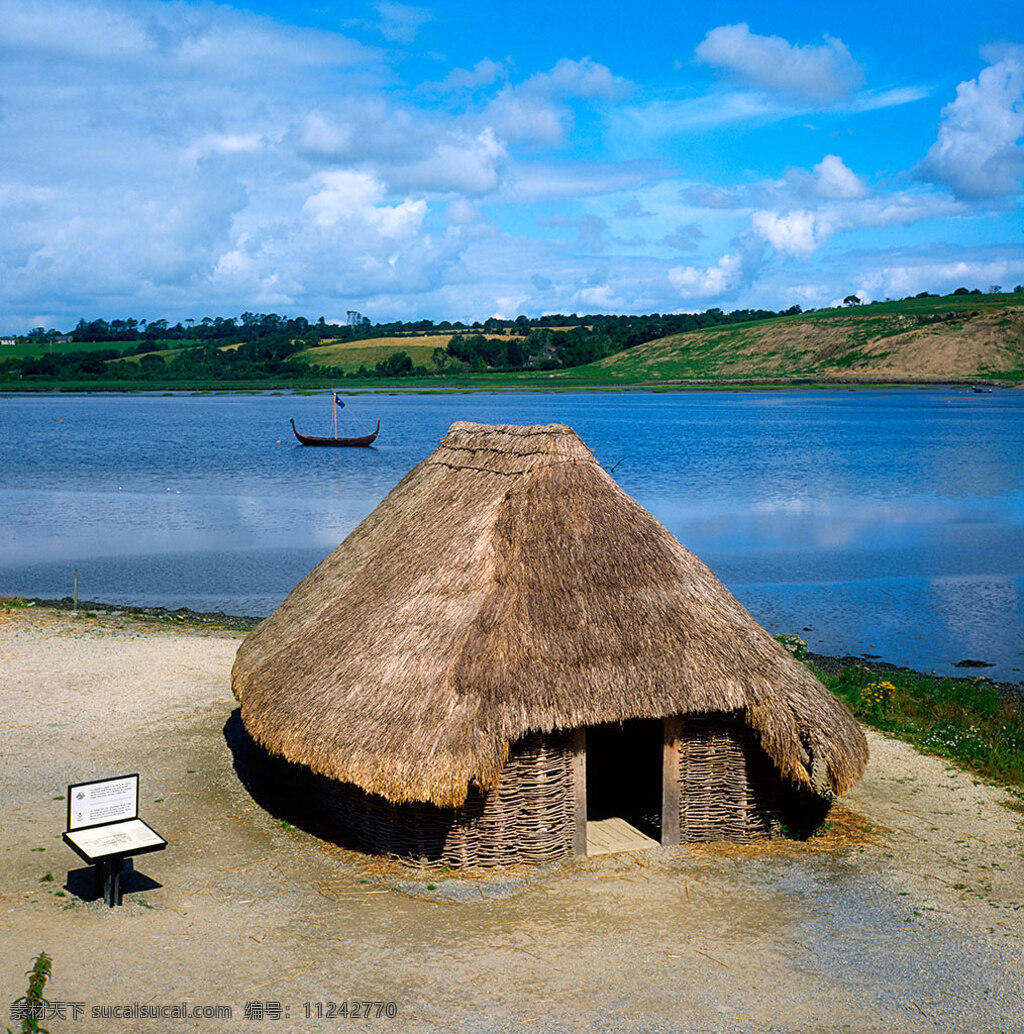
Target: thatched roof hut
505, 589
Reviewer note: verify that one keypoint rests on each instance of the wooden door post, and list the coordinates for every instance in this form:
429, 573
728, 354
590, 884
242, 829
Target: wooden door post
579, 780
670, 780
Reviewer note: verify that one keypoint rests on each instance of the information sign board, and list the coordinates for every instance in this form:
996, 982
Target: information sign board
124, 838
102, 802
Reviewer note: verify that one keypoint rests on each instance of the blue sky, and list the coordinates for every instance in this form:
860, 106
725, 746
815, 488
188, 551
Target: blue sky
456, 160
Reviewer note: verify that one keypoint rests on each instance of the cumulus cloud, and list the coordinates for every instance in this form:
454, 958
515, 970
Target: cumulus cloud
536, 111
523, 119
599, 298
792, 233
354, 200
833, 180
926, 273
585, 78
823, 73
236, 161
801, 231
723, 277
979, 152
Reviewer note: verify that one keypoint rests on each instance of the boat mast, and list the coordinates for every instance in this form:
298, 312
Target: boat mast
334, 398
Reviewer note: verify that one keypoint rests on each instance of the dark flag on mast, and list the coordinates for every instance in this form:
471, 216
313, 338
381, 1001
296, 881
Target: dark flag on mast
339, 402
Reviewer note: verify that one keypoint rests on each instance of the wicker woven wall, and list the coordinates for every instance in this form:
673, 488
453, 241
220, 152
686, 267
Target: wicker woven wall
728, 787
528, 818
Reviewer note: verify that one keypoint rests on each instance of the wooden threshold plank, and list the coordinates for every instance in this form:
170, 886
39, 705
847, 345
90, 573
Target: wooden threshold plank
613, 835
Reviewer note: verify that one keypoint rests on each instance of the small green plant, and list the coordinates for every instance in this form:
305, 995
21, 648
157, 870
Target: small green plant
285, 824
877, 698
431, 886
31, 1005
794, 644
964, 720
47, 877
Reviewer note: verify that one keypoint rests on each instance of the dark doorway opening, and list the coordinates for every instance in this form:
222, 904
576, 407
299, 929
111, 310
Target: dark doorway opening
624, 762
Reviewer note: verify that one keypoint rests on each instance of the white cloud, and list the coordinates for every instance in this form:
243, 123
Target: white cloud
874, 100
599, 298
793, 233
526, 119
321, 136
187, 157
722, 278
978, 152
400, 22
541, 181
825, 73
833, 180
173, 39
461, 212
586, 78
484, 73
353, 199
467, 165
802, 231
925, 274
223, 143
536, 110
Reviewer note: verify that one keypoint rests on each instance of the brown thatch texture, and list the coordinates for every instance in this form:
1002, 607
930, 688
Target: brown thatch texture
508, 585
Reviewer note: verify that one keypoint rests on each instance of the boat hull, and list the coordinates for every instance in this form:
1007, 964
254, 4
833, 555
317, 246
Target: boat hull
308, 439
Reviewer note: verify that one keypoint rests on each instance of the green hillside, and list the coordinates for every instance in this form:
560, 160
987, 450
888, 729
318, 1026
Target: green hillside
957, 337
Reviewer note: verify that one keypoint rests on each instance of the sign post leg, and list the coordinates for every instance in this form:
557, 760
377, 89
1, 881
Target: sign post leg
112, 868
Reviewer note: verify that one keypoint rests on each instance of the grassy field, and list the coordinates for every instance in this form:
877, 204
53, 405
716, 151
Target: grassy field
33, 351
348, 356
965, 720
956, 337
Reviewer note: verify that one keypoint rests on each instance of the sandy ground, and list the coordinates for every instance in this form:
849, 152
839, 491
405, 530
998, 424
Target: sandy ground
915, 925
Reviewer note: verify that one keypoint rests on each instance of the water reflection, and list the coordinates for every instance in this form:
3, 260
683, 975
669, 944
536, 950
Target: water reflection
889, 522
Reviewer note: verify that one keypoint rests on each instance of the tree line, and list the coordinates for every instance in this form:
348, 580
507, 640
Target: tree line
258, 346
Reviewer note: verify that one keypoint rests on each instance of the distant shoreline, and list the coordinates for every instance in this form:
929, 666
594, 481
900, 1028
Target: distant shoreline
341, 386
245, 623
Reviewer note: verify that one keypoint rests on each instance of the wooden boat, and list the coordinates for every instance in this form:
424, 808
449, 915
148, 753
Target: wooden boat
307, 439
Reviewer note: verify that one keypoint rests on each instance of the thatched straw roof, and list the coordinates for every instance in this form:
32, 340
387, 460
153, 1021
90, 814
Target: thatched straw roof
506, 585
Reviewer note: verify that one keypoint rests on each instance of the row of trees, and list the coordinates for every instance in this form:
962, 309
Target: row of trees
251, 326
623, 331
264, 346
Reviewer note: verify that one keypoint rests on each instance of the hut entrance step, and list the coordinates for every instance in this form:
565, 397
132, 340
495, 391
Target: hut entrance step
610, 836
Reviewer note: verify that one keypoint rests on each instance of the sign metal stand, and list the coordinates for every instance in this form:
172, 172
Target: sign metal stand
104, 828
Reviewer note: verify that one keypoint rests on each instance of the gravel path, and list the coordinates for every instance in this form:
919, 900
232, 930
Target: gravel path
908, 917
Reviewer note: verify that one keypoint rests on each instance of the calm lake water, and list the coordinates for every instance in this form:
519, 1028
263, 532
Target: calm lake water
888, 523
